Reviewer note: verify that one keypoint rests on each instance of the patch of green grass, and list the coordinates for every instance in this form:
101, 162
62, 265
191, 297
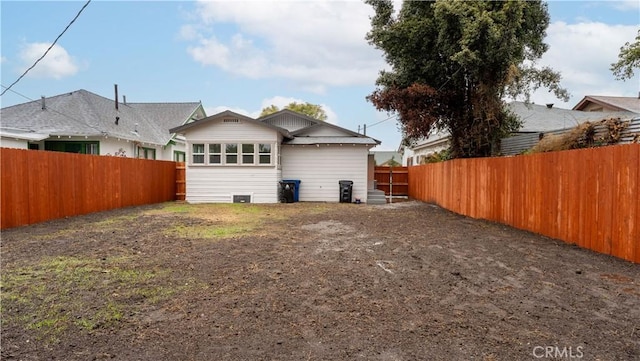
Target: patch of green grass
233, 219
209, 231
64, 293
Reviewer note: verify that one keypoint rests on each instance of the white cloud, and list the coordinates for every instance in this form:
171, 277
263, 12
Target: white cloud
627, 5
583, 54
314, 44
57, 64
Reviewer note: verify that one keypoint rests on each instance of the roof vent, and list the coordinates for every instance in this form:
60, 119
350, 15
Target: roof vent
44, 105
549, 105
230, 120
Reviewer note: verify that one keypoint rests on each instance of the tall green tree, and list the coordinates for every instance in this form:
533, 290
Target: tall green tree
313, 110
628, 60
453, 62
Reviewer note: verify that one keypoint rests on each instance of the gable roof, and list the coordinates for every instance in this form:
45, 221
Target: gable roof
630, 104
540, 118
83, 113
535, 119
311, 124
227, 113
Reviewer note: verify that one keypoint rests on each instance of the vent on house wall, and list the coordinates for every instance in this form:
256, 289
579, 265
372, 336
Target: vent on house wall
237, 198
230, 120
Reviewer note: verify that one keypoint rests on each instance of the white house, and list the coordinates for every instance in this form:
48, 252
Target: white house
232, 157
84, 122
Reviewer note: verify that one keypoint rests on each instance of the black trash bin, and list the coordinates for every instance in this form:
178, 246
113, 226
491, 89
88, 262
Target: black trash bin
287, 192
346, 189
296, 188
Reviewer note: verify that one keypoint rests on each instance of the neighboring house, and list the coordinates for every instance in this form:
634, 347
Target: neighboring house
599, 103
83, 122
536, 121
385, 158
233, 158
419, 150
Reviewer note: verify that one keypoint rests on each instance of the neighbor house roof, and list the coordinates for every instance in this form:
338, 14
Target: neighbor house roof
83, 113
350, 137
536, 119
631, 104
540, 118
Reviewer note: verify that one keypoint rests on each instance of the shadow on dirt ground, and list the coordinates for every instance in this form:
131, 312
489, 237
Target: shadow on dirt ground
305, 281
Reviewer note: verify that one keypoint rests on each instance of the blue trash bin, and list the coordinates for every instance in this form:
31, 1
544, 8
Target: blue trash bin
296, 188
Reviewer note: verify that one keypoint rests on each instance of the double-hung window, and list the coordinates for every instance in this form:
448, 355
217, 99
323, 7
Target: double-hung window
248, 153
231, 153
215, 153
264, 153
198, 153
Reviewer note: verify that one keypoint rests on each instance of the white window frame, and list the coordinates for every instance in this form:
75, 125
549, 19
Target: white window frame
256, 154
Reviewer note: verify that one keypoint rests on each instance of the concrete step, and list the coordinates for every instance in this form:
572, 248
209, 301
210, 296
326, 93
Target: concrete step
375, 196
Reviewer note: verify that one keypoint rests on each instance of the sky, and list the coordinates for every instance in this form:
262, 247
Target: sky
245, 55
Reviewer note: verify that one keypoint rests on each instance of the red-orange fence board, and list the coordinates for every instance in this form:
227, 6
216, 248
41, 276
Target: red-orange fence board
41, 185
392, 177
590, 197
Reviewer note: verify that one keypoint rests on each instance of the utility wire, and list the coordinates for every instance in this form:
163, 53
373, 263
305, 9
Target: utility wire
47, 51
396, 115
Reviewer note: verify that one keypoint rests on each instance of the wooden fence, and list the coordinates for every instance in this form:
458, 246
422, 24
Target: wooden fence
589, 197
392, 179
38, 186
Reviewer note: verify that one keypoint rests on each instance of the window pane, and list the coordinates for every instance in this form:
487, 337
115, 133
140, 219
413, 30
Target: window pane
231, 148
215, 158
232, 159
247, 148
214, 148
198, 148
247, 159
265, 159
264, 148
198, 158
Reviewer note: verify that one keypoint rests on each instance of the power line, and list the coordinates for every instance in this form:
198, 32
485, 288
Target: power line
382, 121
396, 115
47, 51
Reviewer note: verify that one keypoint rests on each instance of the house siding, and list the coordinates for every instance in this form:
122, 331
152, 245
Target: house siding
320, 168
219, 131
14, 143
289, 122
219, 183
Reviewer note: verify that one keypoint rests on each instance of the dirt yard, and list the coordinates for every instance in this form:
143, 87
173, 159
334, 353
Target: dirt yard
407, 281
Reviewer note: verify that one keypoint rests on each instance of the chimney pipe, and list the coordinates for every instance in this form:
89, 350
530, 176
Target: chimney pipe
115, 86
549, 105
44, 106
124, 99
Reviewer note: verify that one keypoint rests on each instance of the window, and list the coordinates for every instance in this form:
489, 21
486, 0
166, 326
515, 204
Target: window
146, 153
73, 146
215, 154
178, 156
247, 153
264, 153
231, 153
198, 153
